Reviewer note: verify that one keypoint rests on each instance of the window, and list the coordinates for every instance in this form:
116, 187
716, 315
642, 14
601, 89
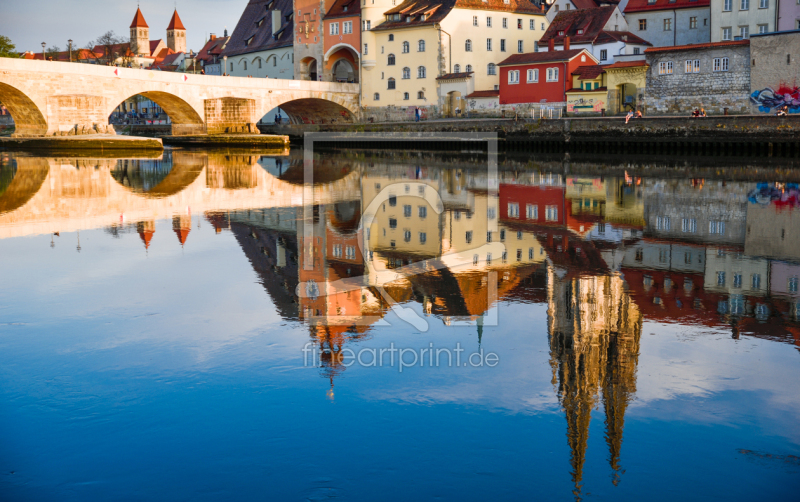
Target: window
763, 4
350, 252
488, 44
692, 66
468, 237
727, 5
505, 22
423, 237
689, 225
551, 213
468, 69
603, 55
513, 76
643, 25
519, 24
756, 282
744, 32
390, 84
692, 23
421, 46
468, 45
720, 64
519, 235
502, 45
406, 73
392, 223
488, 22
744, 5
737, 280
716, 227
542, 26
720, 278
231, 65
420, 95
334, 28
406, 96
391, 37
406, 48
390, 60
474, 20
636, 50
502, 235
519, 46
552, 74
421, 72
532, 25
490, 213
533, 76
726, 33
457, 68
491, 69
366, 49
407, 235
665, 68
259, 62
347, 27
392, 201
422, 211
488, 237
245, 64
668, 25
793, 284
369, 25
532, 212
762, 28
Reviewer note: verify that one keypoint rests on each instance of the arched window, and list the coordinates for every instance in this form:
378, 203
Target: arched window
391, 83
469, 68
491, 69
259, 62
406, 48
405, 96
391, 60
274, 60
468, 45
457, 68
406, 72
421, 46
421, 72
391, 37
420, 95
376, 96
245, 64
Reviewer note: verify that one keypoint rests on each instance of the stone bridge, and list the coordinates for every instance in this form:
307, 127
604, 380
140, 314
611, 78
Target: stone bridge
49, 98
49, 195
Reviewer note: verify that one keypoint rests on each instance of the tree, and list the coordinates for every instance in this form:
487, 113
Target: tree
108, 44
52, 52
7, 49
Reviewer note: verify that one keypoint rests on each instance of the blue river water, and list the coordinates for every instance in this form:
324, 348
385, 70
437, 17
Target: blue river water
174, 336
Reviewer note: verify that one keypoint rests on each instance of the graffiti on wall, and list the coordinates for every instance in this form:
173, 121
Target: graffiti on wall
777, 194
770, 99
581, 104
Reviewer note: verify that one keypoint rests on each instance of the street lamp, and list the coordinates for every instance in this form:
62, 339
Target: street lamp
70, 49
44, 58
225, 62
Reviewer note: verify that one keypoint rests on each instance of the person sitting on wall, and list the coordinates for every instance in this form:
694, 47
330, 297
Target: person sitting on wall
629, 116
696, 113
702, 113
638, 114
784, 110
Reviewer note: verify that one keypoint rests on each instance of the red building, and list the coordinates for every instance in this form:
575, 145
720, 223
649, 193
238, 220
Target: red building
541, 77
532, 204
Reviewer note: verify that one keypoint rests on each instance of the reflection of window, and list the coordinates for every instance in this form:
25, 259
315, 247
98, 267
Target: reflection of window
392, 200
663, 254
490, 213
720, 278
407, 235
530, 253
519, 255
532, 212
407, 211
488, 237
639, 254
519, 235
392, 223
423, 237
716, 227
468, 237
350, 252
689, 225
423, 211
793, 284
551, 213
337, 250
737, 280
503, 235
756, 281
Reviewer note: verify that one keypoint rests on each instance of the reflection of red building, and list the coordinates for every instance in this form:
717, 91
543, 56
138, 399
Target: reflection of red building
532, 204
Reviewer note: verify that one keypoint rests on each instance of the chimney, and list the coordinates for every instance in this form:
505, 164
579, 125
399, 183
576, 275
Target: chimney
213, 36
566, 43
551, 45
276, 21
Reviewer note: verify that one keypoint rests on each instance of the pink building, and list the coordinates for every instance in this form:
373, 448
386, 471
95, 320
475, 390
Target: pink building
788, 15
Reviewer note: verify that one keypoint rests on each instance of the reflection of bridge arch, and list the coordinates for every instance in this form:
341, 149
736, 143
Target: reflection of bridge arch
182, 174
344, 217
28, 179
27, 116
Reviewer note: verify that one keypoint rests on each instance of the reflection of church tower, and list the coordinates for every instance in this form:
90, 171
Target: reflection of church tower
176, 33
146, 230
594, 329
140, 35
182, 225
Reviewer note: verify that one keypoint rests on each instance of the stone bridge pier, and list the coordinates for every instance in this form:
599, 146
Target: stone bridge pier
49, 98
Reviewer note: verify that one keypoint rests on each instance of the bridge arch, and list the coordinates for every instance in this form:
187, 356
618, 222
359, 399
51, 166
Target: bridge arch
184, 117
316, 111
28, 118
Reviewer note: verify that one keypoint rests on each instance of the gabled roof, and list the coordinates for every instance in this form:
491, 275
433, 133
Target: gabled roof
344, 8
154, 45
436, 10
455, 76
589, 72
513, 6
175, 23
484, 94
543, 57
212, 48
581, 26
261, 37
138, 20
647, 5
605, 37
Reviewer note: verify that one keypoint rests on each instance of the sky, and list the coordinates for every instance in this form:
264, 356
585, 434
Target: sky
31, 22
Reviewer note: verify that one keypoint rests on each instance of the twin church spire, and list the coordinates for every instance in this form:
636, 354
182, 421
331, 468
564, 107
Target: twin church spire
140, 35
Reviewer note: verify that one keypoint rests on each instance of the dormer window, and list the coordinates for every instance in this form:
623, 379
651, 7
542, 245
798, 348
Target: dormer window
561, 33
580, 32
408, 19
249, 41
269, 5
260, 22
344, 8
423, 17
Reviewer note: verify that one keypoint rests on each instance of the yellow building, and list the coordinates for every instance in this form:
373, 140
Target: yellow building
406, 47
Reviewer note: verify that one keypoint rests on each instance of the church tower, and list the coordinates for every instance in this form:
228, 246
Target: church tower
140, 35
176, 34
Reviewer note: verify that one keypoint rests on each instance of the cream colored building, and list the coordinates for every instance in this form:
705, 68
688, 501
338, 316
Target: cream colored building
405, 47
741, 18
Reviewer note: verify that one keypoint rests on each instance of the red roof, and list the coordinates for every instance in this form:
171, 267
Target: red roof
626, 64
646, 5
138, 20
697, 46
147, 236
581, 26
543, 57
175, 23
154, 45
484, 94
344, 8
589, 72
212, 48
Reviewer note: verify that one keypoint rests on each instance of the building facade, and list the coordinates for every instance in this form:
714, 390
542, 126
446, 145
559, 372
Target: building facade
788, 15
309, 39
670, 22
261, 44
541, 77
713, 76
738, 19
775, 72
342, 56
